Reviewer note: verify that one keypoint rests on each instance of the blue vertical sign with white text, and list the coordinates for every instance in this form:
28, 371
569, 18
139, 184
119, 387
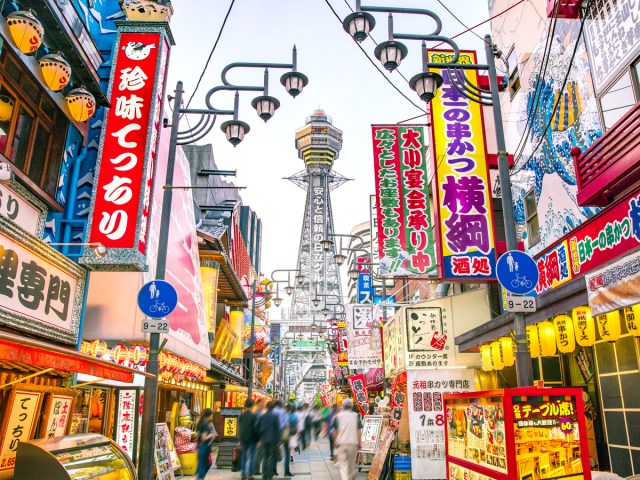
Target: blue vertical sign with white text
365, 288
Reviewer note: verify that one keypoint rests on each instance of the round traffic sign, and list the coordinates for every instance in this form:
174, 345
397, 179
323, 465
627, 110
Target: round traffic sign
157, 299
517, 272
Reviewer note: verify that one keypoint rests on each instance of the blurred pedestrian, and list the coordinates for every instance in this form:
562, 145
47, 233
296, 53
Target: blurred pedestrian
259, 410
248, 437
347, 432
316, 421
289, 439
329, 426
302, 417
269, 430
307, 425
206, 435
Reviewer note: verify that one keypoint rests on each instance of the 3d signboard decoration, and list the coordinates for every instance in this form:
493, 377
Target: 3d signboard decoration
405, 239
464, 213
122, 192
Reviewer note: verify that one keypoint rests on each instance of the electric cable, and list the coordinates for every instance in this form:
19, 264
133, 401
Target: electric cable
206, 65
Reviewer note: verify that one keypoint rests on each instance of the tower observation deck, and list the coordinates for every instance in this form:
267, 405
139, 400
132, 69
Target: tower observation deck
318, 144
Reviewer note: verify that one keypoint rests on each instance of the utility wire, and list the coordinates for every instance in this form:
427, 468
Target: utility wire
459, 21
224, 22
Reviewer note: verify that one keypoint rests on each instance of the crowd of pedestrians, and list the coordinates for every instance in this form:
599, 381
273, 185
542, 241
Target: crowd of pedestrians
269, 432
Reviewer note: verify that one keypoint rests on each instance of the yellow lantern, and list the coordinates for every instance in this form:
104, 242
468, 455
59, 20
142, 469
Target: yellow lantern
82, 105
26, 30
583, 326
485, 357
506, 347
56, 71
236, 321
533, 340
565, 336
6, 108
138, 355
632, 317
609, 326
119, 354
496, 356
98, 348
85, 347
547, 336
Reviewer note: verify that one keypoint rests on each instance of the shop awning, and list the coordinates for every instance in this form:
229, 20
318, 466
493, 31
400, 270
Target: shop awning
225, 371
18, 349
229, 286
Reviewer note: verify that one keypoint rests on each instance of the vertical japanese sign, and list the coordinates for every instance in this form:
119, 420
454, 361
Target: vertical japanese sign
274, 334
397, 402
122, 193
343, 347
425, 398
373, 228
361, 325
359, 391
393, 344
371, 426
365, 288
405, 239
464, 216
56, 416
125, 421
317, 193
19, 419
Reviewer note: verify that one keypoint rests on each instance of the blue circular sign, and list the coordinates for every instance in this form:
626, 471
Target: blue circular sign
157, 299
517, 272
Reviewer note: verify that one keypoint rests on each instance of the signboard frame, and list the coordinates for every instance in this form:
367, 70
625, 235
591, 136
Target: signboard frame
371, 426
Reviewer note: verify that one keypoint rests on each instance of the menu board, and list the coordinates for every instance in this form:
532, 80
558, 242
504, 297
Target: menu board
371, 425
162, 453
377, 464
477, 433
56, 416
456, 472
18, 423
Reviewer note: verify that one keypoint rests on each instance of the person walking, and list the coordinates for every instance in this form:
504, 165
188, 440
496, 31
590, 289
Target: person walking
206, 435
347, 434
259, 410
248, 437
268, 426
302, 416
289, 439
329, 426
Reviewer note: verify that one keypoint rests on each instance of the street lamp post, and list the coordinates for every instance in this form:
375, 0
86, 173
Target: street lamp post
265, 106
390, 53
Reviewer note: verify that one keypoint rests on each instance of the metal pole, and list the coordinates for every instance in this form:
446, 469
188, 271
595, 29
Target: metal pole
384, 321
253, 337
523, 358
150, 405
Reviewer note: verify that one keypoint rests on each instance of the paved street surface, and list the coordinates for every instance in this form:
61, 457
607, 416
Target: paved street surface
311, 464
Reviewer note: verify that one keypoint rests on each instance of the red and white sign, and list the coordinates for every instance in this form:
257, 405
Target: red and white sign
125, 420
119, 219
359, 391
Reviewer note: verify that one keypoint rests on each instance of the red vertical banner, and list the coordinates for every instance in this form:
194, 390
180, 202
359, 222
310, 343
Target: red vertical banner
397, 402
359, 391
121, 199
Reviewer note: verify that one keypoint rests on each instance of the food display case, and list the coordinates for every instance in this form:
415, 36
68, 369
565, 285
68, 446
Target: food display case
524, 433
83, 456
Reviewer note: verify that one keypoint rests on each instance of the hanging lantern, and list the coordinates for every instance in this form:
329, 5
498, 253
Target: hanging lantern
609, 326
85, 347
496, 356
163, 362
56, 71
6, 108
26, 30
98, 348
82, 105
632, 317
565, 336
506, 345
119, 354
533, 340
547, 337
584, 326
138, 355
485, 357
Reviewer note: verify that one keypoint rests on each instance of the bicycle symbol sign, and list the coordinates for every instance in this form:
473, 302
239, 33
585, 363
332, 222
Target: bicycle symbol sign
517, 272
157, 299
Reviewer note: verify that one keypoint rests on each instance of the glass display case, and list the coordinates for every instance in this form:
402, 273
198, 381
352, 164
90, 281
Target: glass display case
79, 457
524, 433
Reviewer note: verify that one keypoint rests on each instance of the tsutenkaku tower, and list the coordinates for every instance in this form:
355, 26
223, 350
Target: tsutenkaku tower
318, 144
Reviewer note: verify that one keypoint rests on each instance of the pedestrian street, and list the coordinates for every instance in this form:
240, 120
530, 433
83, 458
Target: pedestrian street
312, 464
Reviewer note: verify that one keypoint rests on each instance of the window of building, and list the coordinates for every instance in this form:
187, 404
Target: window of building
531, 217
514, 75
620, 97
32, 128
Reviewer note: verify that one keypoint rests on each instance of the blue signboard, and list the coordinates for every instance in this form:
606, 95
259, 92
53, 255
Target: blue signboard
365, 288
517, 272
157, 299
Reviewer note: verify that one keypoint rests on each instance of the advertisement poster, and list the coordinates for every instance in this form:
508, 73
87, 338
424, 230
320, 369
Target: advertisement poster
371, 425
359, 391
393, 345
20, 415
616, 286
377, 464
361, 325
425, 399
57, 411
405, 238
464, 212
164, 452
125, 421
429, 335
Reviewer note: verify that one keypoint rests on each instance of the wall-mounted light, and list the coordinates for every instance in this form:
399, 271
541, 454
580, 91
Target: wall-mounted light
6, 108
82, 105
56, 71
26, 30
